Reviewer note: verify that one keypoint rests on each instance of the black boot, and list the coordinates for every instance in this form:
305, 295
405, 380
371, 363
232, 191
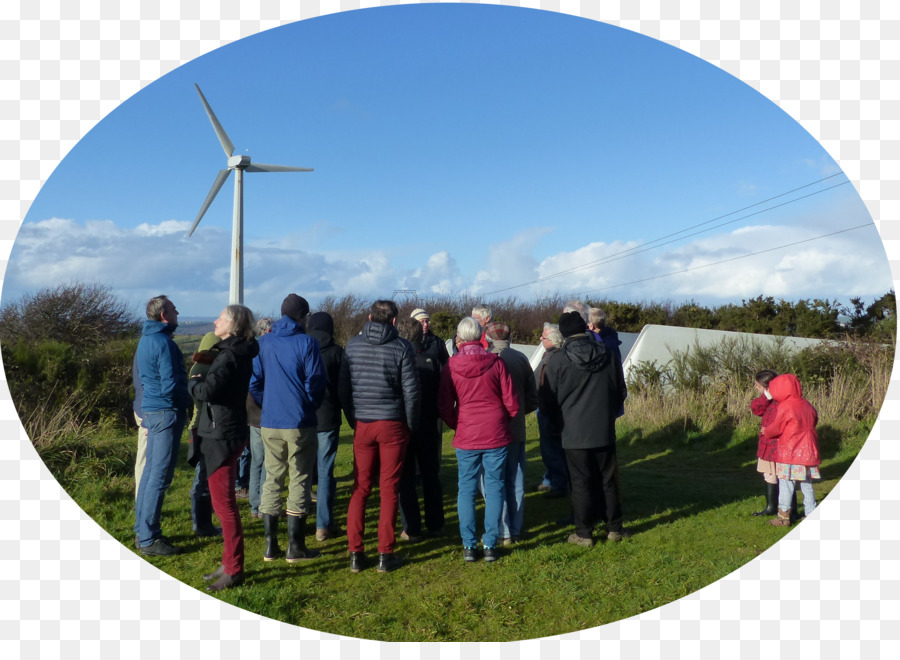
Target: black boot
297, 550
771, 501
387, 562
201, 514
357, 562
795, 513
270, 524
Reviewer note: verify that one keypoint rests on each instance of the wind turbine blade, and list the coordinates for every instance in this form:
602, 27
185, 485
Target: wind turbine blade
216, 187
263, 167
223, 136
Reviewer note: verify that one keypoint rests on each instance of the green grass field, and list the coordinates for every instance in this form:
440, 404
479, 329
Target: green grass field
687, 495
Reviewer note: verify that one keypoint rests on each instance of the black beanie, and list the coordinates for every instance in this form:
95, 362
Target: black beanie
572, 323
322, 322
295, 307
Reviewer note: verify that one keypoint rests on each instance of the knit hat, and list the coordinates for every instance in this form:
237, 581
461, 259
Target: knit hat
572, 323
320, 321
420, 314
496, 330
295, 307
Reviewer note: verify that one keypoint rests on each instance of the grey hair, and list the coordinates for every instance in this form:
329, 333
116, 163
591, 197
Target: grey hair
468, 330
597, 317
242, 322
155, 307
263, 325
554, 335
482, 311
577, 306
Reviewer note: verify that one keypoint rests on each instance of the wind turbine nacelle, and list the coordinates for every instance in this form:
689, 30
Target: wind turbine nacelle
239, 162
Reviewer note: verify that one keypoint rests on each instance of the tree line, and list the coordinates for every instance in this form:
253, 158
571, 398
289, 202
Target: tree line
75, 342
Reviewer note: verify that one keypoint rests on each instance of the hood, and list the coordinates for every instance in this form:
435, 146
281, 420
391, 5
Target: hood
472, 361
209, 340
379, 333
609, 332
286, 326
156, 327
585, 353
784, 387
248, 348
325, 340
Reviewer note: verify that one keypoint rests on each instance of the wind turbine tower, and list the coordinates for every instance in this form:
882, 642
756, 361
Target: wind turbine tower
239, 164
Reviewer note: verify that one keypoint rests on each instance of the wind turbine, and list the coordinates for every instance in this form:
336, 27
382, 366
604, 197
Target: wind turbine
239, 164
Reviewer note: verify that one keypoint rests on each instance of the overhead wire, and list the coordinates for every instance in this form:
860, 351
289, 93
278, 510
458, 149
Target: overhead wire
645, 247
724, 261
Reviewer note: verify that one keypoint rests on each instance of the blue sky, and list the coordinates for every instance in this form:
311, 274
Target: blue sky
457, 149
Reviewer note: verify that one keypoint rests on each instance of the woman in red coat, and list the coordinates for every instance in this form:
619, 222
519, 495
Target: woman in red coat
798, 445
477, 398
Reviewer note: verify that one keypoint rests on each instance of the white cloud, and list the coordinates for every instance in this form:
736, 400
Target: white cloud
152, 259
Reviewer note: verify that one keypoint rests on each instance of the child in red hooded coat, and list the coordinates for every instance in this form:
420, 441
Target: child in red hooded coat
767, 451
798, 445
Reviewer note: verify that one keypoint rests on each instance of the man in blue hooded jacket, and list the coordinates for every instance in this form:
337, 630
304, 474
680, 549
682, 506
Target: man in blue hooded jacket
288, 383
164, 404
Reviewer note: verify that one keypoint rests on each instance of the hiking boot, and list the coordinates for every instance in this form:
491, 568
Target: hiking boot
615, 537
242, 493
357, 562
491, 554
542, 487
783, 519
297, 550
226, 582
412, 538
470, 554
580, 540
162, 548
388, 561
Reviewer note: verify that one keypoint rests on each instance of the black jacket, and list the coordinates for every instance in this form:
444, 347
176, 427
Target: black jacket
379, 380
435, 348
328, 414
429, 369
223, 428
583, 389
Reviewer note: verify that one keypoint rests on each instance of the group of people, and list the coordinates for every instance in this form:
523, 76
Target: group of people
281, 387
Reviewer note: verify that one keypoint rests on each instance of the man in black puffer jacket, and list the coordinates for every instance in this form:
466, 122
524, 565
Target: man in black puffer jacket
379, 392
582, 391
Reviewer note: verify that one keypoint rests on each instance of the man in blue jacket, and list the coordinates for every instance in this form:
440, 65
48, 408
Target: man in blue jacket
288, 383
164, 404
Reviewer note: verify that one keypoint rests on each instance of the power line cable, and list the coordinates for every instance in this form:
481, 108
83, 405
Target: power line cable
644, 247
724, 261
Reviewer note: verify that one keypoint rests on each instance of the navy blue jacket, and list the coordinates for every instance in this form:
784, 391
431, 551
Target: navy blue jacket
288, 380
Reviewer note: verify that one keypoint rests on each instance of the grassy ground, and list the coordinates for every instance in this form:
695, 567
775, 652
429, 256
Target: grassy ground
687, 495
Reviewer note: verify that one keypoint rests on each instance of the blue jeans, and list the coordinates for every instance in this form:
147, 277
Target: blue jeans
557, 475
201, 502
242, 477
513, 491
470, 463
164, 429
328, 444
257, 467
786, 489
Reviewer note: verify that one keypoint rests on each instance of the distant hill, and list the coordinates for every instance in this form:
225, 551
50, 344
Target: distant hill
198, 327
